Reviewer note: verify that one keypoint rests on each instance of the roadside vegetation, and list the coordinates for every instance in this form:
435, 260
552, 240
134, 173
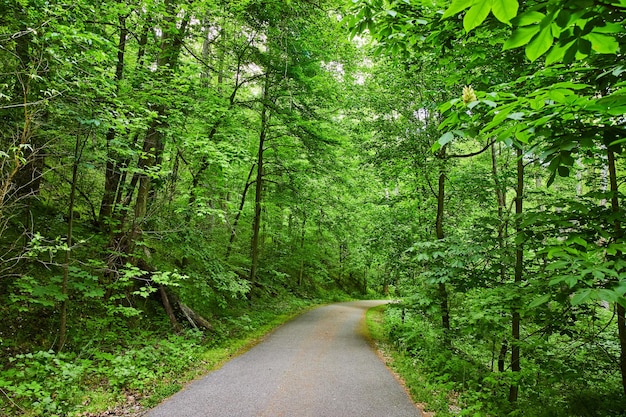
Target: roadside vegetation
123, 371
176, 174
564, 375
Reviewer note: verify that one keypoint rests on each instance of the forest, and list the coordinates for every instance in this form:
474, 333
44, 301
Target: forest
179, 175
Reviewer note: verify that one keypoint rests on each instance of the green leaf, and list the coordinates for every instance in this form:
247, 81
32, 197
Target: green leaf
571, 52
584, 46
524, 135
516, 116
537, 103
540, 44
504, 10
529, 18
570, 85
442, 141
448, 105
610, 28
539, 301
577, 240
563, 18
608, 295
520, 37
476, 15
581, 296
456, 7
603, 44
557, 53
615, 104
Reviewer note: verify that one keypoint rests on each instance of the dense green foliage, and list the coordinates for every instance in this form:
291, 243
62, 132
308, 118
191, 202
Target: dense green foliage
163, 166
514, 297
166, 165
126, 369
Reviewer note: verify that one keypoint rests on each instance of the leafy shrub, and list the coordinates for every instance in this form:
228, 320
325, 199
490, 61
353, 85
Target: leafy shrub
49, 383
44, 381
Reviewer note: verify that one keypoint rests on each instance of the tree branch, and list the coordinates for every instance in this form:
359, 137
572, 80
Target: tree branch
467, 155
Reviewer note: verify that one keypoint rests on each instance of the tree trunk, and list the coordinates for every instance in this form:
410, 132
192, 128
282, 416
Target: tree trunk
154, 145
258, 198
168, 309
302, 235
26, 180
78, 150
233, 232
501, 200
519, 263
442, 290
618, 236
113, 172
502, 230
504, 347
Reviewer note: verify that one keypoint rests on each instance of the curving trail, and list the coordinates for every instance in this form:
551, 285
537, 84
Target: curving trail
317, 365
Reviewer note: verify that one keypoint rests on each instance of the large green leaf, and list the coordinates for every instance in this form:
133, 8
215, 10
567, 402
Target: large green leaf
610, 28
476, 15
529, 18
557, 53
521, 37
443, 141
456, 7
539, 301
504, 10
603, 44
540, 44
581, 296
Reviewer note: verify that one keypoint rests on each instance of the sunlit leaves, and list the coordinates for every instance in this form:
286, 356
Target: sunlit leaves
582, 266
603, 44
540, 44
476, 15
456, 7
503, 10
570, 33
521, 37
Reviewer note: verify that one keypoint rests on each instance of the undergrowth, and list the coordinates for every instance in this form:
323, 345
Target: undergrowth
139, 367
462, 380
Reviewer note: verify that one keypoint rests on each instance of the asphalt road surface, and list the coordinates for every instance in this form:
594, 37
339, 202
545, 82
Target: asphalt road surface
317, 365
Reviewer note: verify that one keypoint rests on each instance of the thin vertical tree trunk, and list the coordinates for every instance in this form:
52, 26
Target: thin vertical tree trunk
258, 198
502, 229
519, 263
26, 181
618, 235
70, 234
154, 145
113, 172
441, 289
122, 188
302, 235
233, 232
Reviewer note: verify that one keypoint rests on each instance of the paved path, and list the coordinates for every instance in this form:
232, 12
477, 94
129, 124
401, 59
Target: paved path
316, 365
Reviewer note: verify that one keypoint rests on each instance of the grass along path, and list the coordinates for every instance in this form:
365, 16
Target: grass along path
137, 370
430, 398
